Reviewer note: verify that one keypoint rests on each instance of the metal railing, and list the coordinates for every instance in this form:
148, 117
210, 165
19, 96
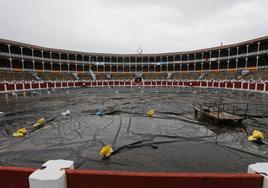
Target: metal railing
51, 60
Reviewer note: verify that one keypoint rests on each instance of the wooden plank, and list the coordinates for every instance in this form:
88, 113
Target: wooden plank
224, 116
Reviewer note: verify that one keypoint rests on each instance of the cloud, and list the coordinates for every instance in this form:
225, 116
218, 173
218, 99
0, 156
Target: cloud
120, 26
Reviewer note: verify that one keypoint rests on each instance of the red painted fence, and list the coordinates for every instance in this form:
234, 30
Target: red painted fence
260, 86
15, 177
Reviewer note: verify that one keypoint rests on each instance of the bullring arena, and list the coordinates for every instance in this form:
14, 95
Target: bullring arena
107, 98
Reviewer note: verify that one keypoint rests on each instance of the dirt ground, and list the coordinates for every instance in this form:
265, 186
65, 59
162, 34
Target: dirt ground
172, 140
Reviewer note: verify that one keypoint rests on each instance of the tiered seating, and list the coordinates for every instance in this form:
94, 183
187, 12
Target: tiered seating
100, 76
217, 75
185, 76
15, 76
84, 77
55, 76
154, 76
122, 76
257, 75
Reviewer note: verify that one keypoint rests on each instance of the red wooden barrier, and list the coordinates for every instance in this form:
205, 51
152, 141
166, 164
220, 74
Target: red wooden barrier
2, 87
35, 85
128, 83
252, 86
260, 87
216, 84
15, 177
19, 86
238, 85
229, 84
245, 85
27, 86
10, 87
110, 179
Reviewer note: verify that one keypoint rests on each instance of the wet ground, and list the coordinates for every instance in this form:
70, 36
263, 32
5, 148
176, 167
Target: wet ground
172, 140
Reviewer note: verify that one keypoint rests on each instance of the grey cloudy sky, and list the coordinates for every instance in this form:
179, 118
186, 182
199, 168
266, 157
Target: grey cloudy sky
121, 26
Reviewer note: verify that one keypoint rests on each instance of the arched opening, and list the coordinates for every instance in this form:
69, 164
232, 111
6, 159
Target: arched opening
214, 65
120, 68
191, 67
114, 68
223, 64
37, 53
107, 59
27, 51
64, 67
252, 61
15, 50
157, 68
72, 67
177, 67
38, 65
126, 59
126, 68
55, 55
4, 48
164, 67
264, 45
241, 63
132, 68
139, 68
46, 54
80, 68
198, 66
206, 66
224, 53
56, 67
71, 57
253, 47
93, 67
138, 80
100, 68
232, 64
63, 56
4, 63
145, 68
191, 57
16, 64
47, 66
107, 68
86, 68
170, 67
263, 61
177, 58
242, 49
170, 58
79, 57
28, 65
184, 67
151, 68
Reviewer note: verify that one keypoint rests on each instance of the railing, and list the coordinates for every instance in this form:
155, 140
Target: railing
17, 86
132, 63
131, 72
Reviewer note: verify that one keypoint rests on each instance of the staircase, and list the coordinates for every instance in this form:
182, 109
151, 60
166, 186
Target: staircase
92, 74
203, 75
108, 76
75, 75
34, 75
244, 73
169, 75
